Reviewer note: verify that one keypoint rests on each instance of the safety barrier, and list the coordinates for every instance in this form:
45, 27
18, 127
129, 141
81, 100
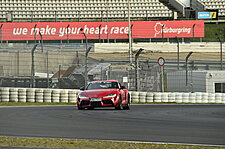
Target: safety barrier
22, 95
41, 95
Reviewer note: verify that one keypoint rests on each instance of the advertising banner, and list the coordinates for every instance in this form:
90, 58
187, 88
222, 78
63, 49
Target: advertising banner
210, 14
100, 30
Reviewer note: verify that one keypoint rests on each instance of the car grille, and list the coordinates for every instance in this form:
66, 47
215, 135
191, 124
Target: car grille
108, 101
96, 104
85, 102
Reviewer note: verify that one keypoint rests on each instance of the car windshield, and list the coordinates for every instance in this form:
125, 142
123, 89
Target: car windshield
102, 85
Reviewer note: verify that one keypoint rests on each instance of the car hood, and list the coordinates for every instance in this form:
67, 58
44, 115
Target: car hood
99, 93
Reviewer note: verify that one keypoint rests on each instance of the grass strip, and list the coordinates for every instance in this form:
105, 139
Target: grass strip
86, 144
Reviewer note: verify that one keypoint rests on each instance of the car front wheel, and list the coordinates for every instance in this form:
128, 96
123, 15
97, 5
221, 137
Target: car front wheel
118, 106
80, 108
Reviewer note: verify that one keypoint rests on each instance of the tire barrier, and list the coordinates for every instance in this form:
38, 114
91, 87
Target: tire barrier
13, 95
30, 95
212, 98
142, 97
165, 97
47, 95
198, 97
205, 98
185, 98
39, 96
72, 96
22, 94
157, 97
64, 96
149, 97
56, 95
69, 96
192, 98
178, 97
171, 97
218, 97
135, 97
223, 98
5, 94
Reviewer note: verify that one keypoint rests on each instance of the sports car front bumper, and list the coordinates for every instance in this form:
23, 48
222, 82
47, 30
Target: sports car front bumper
102, 103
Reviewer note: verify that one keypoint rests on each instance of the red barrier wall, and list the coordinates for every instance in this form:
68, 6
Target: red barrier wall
101, 30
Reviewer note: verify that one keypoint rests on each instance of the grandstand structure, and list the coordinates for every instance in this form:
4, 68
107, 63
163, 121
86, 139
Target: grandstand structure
215, 4
84, 10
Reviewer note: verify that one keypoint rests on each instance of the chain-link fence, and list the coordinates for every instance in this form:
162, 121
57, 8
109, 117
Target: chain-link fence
21, 65
63, 67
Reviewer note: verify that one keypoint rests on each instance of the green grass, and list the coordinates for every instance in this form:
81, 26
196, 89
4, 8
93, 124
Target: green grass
211, 30
86, 144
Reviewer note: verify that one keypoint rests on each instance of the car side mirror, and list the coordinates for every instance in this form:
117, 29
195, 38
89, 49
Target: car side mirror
122, 87
82, 88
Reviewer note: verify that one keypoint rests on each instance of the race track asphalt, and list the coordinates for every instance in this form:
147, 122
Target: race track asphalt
189, 124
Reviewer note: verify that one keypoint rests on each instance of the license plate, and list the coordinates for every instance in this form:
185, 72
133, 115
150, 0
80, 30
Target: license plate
96, 99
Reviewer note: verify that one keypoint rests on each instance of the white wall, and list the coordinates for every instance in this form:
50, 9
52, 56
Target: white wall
159, 46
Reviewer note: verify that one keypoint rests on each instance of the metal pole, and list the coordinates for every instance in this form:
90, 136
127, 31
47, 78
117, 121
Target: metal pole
186, 65
47, 69
32, 67
101, 16
86, 59
221, 52
85, 73
59, 75
67, 32
162, 79
146, 15
99, 35
78, 16
32, 16
178, 54
35, 34
86, 62
129, 34
42, 49
78, 61
55, 16
18, 63
163, 33
137, 75
221, 55
193, 30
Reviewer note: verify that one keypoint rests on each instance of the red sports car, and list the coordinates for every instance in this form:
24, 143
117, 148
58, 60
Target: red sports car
103, 94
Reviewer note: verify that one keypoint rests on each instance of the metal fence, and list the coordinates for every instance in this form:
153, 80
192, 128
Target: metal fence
54, 65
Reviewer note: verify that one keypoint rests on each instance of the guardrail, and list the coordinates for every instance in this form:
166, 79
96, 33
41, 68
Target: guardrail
41, 95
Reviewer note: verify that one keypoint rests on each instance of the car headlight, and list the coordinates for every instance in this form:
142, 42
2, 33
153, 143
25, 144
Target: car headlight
110, 96
82, 96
